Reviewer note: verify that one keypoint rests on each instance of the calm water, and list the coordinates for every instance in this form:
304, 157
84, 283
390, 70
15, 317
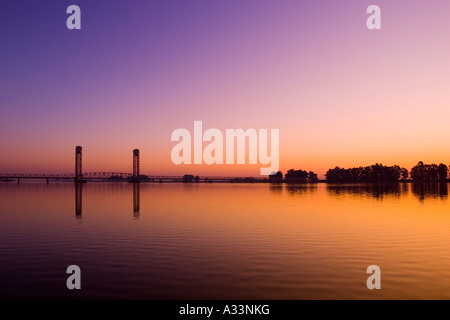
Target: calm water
224, 241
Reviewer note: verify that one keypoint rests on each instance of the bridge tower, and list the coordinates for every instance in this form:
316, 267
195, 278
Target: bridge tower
135, 165
78, 166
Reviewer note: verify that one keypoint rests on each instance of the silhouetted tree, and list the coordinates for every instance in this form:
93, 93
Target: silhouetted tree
417, 172
296, 176
427, 172
374, 173
276, 177
312, 177
443, 171
335, 175
404, 173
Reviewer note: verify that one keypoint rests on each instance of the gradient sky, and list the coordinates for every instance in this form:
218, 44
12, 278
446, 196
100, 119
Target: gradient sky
340, 94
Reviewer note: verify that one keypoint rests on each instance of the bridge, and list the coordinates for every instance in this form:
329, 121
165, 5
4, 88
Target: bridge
66, 176
79, 177
120, 176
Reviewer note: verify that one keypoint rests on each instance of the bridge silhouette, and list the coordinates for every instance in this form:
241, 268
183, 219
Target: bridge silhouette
79, 177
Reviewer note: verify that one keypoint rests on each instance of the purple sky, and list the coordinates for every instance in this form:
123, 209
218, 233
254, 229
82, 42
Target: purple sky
339, 93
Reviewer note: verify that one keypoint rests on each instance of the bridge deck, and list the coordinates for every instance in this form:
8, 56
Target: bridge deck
119, 176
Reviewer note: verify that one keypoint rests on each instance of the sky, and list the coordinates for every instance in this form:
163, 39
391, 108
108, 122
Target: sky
339, 93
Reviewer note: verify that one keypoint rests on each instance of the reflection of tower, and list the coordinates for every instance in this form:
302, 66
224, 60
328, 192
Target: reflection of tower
136, 200
78, 169
78, 200
136, 165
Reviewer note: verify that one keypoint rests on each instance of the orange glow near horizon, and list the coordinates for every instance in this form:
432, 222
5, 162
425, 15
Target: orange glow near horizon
340, 94
159, 163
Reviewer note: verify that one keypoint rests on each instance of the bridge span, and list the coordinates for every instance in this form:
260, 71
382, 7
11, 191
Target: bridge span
120, 176
79, 177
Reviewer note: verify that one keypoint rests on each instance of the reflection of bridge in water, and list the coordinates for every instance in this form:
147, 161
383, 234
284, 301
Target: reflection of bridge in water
79, 200
79, 176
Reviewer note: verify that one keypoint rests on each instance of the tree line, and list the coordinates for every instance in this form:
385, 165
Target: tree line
294, 176
374, 173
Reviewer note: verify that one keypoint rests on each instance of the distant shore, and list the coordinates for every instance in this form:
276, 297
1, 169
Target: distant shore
233, 180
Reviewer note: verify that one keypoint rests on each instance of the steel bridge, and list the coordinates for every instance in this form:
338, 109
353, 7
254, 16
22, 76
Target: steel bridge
79, 176
117, 176
61, 176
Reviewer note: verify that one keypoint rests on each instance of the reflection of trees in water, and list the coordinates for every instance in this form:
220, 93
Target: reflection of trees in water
423, 190
293, 189
374, 190
296, 189
276, 188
